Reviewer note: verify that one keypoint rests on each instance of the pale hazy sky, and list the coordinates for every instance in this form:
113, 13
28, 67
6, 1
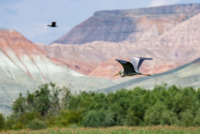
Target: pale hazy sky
30, 17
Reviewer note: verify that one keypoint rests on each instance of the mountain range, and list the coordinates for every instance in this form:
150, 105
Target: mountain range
176, 45
24, 67
129, 25
84, 58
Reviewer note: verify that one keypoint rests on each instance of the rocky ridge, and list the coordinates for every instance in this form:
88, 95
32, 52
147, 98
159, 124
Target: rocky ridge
129, 25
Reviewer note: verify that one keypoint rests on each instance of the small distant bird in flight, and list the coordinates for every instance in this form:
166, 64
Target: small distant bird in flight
53, 24
132, 68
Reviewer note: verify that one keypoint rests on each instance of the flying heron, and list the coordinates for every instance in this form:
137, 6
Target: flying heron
53, 24
132, 68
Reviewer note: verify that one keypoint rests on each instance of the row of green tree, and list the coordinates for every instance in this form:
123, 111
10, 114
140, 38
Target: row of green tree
50, 106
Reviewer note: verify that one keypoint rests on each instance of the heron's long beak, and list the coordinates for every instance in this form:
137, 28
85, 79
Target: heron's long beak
116, 74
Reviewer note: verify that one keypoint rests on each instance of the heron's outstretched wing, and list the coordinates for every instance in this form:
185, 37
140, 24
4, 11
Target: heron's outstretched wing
128, 67
53, 24
137, 62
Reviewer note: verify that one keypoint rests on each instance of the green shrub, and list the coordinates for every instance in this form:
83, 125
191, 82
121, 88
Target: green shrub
2, 121
132, 119
135, 113
64, 122
187, 118
109, 120
21, 121
168, 118
51, 121
196, 121
120, 120
67, 117
27, 117
10, 123
19, 126
36, 124
45, 100
154, 114
19, 104
96, 119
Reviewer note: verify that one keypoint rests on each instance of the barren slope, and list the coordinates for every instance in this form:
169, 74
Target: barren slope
24, 66
176, 47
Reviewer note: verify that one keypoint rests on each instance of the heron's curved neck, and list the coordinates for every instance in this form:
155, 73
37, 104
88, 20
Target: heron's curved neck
122, 73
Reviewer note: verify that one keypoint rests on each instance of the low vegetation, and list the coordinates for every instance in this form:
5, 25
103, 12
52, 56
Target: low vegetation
50, 106
112, 130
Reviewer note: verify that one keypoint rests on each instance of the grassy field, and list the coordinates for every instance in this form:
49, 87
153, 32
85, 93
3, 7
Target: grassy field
113, 130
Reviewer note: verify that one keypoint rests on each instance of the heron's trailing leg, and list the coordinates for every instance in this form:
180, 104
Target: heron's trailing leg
146, 74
